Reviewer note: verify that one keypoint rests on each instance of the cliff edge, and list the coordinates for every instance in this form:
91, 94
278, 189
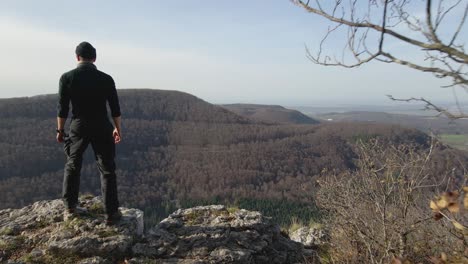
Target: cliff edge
204, 234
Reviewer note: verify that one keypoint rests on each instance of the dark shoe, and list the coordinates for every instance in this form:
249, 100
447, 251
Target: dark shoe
113, 218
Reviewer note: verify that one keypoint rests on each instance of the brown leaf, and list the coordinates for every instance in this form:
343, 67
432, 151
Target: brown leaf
442, 203
453, 207
465, 189
438, 216
451, 196
434, 206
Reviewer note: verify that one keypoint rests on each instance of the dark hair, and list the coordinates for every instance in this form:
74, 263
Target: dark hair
85, 50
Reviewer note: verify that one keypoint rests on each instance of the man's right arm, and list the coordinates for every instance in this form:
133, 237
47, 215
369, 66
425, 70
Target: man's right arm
63, 107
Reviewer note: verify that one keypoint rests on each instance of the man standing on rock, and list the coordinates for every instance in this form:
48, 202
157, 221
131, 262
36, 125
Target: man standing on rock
89, 90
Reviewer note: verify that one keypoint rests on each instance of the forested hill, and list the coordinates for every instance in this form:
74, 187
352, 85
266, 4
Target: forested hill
270, 113
178, 150
143, 104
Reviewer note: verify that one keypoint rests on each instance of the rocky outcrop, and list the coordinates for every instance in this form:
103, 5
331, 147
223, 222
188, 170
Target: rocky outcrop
310, 237
37, 233
205, 234
217, 235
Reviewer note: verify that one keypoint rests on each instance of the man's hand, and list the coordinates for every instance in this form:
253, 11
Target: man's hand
60, 129
60, 137
117, 136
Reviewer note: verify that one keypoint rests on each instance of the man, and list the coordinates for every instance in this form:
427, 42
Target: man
89, 90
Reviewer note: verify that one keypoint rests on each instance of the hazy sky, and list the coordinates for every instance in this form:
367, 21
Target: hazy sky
249, 51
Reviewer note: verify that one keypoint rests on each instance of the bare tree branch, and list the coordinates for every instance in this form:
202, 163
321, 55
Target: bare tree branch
430, 106
382, 206
460, 25
441, 72
432, 34
368, 28
428, 46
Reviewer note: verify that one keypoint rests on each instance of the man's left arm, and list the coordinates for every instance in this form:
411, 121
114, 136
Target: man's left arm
114, 106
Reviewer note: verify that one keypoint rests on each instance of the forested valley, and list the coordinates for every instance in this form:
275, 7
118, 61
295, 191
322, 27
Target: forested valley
179, 151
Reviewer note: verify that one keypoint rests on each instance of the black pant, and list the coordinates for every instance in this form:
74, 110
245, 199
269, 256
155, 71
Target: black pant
99, 134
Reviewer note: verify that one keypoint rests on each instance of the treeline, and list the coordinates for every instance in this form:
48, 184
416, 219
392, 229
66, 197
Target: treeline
143, 104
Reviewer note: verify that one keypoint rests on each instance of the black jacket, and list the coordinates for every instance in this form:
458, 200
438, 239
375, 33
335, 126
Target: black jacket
89, 90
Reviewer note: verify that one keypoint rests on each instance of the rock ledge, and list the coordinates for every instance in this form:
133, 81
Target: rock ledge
204, 234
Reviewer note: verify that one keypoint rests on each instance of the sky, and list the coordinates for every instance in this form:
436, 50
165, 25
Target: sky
246, 51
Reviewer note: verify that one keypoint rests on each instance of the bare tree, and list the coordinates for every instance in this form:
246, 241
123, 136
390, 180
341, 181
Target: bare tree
373, 27
380, 211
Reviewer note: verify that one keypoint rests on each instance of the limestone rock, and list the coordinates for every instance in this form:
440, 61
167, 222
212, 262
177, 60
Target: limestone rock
204, 234
214, 234
94, 260
309, 236
37, 233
